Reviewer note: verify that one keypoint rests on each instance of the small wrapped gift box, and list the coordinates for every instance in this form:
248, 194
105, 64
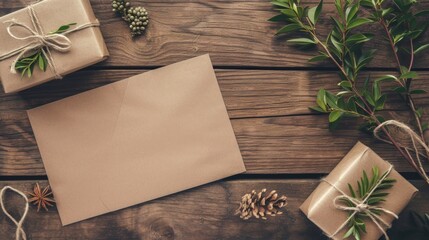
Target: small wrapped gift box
332, 205
24, 32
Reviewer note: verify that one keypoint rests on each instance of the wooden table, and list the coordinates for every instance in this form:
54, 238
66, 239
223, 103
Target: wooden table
267, 86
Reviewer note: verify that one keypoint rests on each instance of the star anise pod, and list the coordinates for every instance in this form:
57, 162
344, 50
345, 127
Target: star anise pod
41, 198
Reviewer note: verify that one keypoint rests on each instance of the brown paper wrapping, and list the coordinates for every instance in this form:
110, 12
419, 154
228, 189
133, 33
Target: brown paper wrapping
88, 46
319, 206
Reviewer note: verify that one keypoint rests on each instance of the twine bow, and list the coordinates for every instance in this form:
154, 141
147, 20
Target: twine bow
39, 40
362, 206
19, 234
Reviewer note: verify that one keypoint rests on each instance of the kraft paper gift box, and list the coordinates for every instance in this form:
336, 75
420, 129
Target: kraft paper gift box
319, 206
86, 46
148, 136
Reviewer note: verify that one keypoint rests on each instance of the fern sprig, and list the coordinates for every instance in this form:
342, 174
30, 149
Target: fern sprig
378, 195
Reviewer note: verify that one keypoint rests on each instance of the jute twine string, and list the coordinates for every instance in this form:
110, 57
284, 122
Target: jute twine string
39, 40
362, 206
19, 234
415, 140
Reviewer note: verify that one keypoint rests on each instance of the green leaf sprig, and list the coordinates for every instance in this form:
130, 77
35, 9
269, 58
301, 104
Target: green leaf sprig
26, 65
404, 24
365, 186
62, 29
342, 46
359, 96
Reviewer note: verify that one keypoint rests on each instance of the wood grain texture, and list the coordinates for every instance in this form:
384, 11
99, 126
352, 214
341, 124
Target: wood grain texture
203, 213
295, 144
247, 93
235, 33
289, 143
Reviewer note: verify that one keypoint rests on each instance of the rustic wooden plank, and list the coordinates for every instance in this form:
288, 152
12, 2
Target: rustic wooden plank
247, 93
294, 144
235, 33
206, 212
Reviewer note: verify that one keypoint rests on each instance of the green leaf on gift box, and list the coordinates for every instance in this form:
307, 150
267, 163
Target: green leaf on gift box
366, 185
42, 62
63, 28
26, 64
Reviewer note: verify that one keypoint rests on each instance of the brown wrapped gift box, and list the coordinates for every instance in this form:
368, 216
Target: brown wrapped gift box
319, 206
87, 48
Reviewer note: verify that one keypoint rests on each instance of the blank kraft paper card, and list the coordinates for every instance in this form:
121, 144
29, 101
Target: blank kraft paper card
148, 136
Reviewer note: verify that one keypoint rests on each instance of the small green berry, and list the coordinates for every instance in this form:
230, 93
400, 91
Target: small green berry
136, 17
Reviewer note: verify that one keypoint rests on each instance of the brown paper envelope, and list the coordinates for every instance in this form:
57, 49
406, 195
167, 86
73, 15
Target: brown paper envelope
135, 140
319, 206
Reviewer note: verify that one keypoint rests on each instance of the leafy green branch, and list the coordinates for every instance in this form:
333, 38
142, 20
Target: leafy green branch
26, 64
378, 195
344, 47
403, 27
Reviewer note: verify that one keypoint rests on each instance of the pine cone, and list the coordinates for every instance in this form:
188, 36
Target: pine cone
261, 205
